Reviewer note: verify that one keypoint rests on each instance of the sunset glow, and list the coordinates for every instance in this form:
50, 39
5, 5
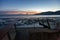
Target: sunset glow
21, 12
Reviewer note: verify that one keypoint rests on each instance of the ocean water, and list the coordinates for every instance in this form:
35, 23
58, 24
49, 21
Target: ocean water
29, 16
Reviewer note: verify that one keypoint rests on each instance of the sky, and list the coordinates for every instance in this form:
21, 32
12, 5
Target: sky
30, 5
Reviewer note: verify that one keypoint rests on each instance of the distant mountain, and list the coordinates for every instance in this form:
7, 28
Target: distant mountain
20, 13
49, 13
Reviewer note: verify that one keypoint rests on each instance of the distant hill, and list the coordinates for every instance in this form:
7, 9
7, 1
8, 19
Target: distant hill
20, 13
49, 13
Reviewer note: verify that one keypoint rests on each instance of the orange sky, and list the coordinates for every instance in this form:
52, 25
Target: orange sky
22, 12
